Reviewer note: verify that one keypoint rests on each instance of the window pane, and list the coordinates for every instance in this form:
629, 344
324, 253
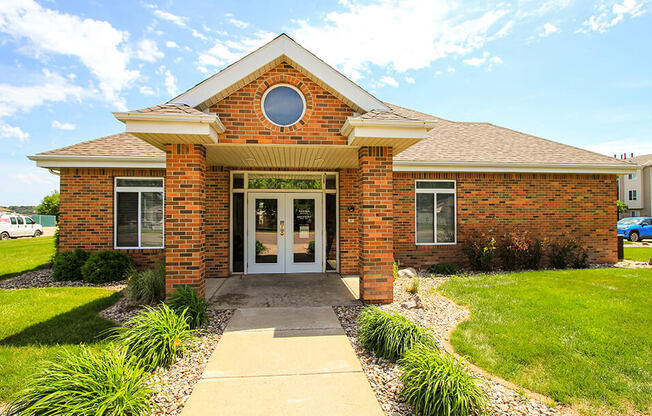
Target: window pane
304, 230
436, 185
28, 220
283, 183
127, 219
238, 232
151, 222
283, 106
13, 220
20, 220
142, 183
445, 218
266, 230
238, 180
331, 232
425, 218
331, 182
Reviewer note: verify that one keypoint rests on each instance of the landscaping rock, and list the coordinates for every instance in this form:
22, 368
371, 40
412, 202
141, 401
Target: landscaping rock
43, 278
409, 273
439, 314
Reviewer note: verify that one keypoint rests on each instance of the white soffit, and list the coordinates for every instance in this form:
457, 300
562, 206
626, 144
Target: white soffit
398, 134
273, 52
283, 156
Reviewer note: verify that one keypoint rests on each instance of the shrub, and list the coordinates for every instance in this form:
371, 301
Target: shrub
567, 252
155, 337
67, 265
413, 286
106, 266
437, 383
390, 335
147, 286
480, 251
442, 268
103, 383
517, 250
185, 300
395, 268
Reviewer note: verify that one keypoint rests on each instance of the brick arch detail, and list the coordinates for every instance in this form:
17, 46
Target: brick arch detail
270, 81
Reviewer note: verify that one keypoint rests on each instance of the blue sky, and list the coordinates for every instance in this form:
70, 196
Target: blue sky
576, 72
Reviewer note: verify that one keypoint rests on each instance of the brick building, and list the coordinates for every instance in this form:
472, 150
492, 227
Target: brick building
280, 164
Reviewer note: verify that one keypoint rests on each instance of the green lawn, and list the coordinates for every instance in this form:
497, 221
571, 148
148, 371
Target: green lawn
638, 253
36, 324
582, 337
24, 254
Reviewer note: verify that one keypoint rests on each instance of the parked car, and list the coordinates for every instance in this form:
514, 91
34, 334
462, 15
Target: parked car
14, 225
635, 228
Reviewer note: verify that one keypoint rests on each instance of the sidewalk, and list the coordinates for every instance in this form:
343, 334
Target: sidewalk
283, 361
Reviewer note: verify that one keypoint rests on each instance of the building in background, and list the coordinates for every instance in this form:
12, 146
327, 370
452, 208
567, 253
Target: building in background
635, 189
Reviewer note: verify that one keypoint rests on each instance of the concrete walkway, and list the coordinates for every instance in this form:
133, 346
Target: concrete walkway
283, 361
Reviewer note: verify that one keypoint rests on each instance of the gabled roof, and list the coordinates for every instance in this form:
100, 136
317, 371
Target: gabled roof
643, 160
119, 145
170, 109
282, 48
486, 145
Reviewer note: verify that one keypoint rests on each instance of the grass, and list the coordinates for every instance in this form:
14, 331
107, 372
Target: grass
25, 254
39, 324
638, 253
581, 337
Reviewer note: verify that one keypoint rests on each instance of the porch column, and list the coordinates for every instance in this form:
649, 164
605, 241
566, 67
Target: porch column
376, 233
185, 202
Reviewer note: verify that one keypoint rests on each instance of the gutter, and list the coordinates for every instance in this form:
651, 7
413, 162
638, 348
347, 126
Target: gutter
442, 166
351, 123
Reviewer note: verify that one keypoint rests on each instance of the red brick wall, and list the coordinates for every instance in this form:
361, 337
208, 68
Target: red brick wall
376, 224
185, 202
349, 221
87, 211
245, 123
217, 222
547, 205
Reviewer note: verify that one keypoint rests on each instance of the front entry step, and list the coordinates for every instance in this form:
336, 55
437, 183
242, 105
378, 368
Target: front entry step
283, 361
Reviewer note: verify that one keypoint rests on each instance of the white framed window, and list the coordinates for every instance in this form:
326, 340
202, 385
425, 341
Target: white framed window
139, 212
632, 195
631, 176
435, 216
283, 105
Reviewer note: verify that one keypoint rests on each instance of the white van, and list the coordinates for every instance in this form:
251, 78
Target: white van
14, 225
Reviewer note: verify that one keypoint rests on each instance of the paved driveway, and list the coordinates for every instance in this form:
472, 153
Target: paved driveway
283, 361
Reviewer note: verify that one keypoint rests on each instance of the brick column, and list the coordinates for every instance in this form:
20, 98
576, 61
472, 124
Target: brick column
376, 233
185, 202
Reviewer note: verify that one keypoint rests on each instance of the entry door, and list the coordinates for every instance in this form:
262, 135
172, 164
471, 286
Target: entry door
284, 232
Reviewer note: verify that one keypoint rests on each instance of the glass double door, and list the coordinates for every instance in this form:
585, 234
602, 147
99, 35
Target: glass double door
284, 232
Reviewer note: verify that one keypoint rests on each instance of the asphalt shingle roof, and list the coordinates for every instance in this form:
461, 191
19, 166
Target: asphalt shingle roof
121, 144
170, 109
643, 160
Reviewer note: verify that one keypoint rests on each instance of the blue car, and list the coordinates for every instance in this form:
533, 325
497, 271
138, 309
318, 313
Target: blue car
635, 228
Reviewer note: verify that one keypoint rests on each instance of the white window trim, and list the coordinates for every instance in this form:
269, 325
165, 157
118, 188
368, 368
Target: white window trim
273, 87
435, 191
138, 190
632, 195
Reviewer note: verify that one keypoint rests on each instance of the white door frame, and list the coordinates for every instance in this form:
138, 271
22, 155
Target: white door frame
252, 266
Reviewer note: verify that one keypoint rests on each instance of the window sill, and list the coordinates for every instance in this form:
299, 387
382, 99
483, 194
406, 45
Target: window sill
436, 244
138, 248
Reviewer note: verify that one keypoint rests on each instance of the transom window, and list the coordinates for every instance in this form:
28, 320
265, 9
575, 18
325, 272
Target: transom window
283, 105
435, 212
139, 213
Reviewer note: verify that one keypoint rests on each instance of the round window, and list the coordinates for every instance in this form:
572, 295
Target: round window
283, 105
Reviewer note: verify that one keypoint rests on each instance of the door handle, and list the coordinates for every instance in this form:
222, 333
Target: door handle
282, 228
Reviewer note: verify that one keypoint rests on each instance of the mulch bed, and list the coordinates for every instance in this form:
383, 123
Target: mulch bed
439, 314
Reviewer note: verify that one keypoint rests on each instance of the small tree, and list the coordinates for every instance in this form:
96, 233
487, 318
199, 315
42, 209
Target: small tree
622, 207
49, 205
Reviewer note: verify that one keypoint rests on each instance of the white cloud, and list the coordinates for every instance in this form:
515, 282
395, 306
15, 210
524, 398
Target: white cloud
450, 69
616, 147
435, 29
239, 23
40, 176
548, 29
148, 51
171, 44
387, 80
145, 90
170, 82
481, 60
173, 18
496, 60
98, 45
409, 80
63, 126
55, 88
198, 35
228, 51
610, 14
12, 132
477, 61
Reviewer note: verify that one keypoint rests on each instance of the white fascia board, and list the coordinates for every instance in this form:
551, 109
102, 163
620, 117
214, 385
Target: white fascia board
178, 119
281, 46
364, 127
409, 166
76, 161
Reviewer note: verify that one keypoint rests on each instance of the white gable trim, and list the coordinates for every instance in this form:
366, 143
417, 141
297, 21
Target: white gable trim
283, 45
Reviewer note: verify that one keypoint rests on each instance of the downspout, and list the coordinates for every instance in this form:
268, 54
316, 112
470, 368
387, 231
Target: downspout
54, 171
